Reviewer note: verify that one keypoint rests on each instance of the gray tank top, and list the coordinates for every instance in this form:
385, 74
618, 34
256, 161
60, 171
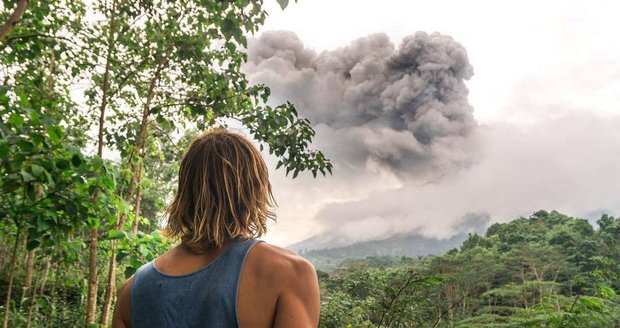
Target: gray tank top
204, 298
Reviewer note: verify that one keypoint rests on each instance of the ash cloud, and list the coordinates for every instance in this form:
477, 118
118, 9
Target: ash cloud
403, 110
568, 164
473, 223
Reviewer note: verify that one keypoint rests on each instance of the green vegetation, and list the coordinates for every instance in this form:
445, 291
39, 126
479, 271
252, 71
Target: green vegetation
131, 80
548, 270
97, 102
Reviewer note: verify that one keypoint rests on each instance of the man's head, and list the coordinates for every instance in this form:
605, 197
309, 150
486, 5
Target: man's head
224, 192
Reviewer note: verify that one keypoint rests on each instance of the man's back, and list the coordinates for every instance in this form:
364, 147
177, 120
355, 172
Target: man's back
276, 288
212, 279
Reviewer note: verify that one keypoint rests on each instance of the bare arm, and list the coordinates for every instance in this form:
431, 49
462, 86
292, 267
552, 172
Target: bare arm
122, 309
299, 302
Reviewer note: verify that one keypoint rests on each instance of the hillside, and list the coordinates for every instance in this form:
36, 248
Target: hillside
411, 244
327, 251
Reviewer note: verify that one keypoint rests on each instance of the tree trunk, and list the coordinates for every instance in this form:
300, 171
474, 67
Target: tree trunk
8, 26
3, 251
450, 299
140, 141
9, 289
91, 303
28, 279
438, 309
136, 214
46, 272
91, 300
111, 286
54, 291
37, 287
32, 306
27, 290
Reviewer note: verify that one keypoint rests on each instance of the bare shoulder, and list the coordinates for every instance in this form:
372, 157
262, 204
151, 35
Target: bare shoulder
281, 263
281, 267
298, 295
122, 309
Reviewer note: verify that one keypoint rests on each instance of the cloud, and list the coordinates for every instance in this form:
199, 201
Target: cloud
402, 109
408, 154
569, 164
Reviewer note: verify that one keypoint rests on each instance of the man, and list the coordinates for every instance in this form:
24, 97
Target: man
220, 275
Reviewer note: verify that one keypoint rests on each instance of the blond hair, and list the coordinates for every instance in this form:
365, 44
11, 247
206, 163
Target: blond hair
224, 192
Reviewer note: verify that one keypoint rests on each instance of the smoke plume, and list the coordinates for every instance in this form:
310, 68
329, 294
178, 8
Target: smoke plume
403, 110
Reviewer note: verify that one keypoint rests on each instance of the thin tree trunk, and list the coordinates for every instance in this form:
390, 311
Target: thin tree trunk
39, 286
7, 303
27, 290
91, 302
56, 269
111, 286
28, 279
136, 214
3, 251
46, 271
140, 141
8, 26
450, 299
465, 294
33, 304
54, 291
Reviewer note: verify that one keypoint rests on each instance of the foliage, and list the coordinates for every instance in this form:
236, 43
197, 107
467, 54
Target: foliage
548, 270
146, 75
130, 82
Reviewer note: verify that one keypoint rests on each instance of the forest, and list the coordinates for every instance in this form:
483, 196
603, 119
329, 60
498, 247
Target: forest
100, 98
546, 270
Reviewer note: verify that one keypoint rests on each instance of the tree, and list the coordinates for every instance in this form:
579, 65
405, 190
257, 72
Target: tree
154, 71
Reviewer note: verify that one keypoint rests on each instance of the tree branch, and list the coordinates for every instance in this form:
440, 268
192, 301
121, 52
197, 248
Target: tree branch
402, 288
450, 308
8, 26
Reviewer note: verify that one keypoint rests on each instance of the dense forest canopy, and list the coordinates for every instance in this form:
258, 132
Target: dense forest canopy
99, 99
548, 270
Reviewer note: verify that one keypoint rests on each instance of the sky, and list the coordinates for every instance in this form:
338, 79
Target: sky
510, 108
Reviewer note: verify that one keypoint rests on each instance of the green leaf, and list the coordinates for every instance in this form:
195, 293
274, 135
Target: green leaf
108, 183
283, 4
97, 162
16, 120
54, 133
26, 176
228, 27
32, 244
115, 234
606, 291
93, 222
42, 224
62, 164
129, 271
4, 150
591, 303
120, 256
25, 146
36, 169
37, 138
76, 160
